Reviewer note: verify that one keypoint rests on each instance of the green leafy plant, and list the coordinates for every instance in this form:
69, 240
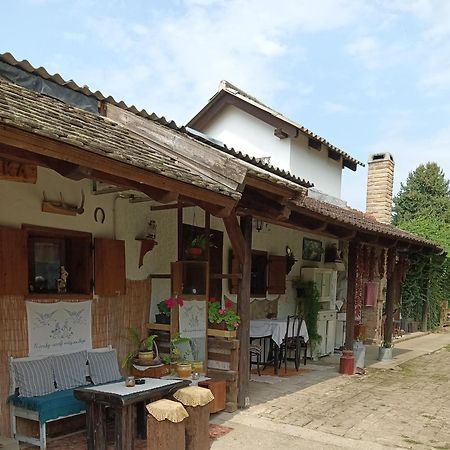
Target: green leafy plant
139, 344
180, 348
199, 241
310, 305
227, 315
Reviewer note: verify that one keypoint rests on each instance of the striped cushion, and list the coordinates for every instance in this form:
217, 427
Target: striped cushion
34, 376
69, 370
103, 366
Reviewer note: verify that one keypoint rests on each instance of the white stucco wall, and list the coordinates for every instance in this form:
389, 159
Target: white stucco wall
316, 167
20, 203
249, 135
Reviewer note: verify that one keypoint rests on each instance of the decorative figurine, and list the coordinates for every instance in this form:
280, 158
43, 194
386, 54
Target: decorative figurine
61, 282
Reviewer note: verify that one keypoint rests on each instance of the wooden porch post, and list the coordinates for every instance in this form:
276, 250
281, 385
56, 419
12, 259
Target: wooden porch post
346, 365
241, 241
393, 283
244, 313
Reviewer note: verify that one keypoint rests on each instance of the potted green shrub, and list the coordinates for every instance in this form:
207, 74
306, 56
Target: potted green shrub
145, 349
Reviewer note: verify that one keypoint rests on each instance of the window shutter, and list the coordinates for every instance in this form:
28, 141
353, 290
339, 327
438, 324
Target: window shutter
109, 263
277, 275
13, 262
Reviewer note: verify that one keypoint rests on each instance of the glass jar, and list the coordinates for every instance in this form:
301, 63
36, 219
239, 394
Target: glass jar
130, 381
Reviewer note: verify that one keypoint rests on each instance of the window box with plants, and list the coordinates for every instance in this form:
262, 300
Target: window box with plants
222, 317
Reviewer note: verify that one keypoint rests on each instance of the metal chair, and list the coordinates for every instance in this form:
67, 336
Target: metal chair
293, 342
255, 352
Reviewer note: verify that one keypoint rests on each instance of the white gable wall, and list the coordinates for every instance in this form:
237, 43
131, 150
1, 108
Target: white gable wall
315, 166
251, 136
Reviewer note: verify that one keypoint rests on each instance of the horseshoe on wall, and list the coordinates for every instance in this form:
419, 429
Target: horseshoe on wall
102, 215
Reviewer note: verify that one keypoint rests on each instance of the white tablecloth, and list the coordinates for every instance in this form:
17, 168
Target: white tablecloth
275, 328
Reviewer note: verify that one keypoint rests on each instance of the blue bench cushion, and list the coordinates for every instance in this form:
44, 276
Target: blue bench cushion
50, 406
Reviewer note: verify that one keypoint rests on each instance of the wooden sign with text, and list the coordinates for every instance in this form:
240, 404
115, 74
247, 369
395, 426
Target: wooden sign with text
16, 171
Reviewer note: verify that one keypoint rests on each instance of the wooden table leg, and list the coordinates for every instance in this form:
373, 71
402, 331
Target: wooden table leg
141, 420
277, 355
124, 427
95, 426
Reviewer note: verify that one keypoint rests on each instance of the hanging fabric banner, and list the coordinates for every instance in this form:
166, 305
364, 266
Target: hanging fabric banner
58, 327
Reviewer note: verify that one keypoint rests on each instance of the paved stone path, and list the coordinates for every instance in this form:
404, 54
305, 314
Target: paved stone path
404, 407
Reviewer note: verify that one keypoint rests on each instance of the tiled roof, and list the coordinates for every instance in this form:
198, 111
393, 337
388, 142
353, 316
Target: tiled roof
56, 78
361, 221
45, 116
226, 86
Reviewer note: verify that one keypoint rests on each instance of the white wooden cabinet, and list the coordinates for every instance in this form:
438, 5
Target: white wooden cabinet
325, 281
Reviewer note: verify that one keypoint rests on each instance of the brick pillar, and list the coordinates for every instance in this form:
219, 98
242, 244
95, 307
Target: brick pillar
380, 181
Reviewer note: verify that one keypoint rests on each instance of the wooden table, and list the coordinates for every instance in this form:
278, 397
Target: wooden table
122, 400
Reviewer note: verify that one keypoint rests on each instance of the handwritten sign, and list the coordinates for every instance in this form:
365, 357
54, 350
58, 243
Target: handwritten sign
16, 171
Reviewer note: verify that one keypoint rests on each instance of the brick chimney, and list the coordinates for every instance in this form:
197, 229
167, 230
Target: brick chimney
380, 182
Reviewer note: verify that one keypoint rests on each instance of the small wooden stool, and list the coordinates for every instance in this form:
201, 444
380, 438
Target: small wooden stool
196, 401
166, 425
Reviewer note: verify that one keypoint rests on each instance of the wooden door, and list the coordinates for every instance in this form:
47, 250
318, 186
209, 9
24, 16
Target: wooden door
13, 262
109, 267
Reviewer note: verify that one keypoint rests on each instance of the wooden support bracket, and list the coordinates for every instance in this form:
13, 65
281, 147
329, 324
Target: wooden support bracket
146, 246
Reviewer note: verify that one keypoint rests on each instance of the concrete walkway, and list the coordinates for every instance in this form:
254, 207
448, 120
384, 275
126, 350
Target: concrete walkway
404, 403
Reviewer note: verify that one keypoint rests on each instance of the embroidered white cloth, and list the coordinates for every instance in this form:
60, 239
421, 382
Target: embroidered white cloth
120, 388
275, 328
58, 327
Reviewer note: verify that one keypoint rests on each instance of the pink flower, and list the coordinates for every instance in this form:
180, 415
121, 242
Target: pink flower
170, 303
235, 324
212, 300
228, 303
180, 301
221, 311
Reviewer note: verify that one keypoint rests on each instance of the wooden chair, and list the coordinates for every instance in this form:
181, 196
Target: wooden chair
293, 343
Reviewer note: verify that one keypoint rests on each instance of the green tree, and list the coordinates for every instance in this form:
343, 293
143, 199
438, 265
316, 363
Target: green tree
425, 193
422, 206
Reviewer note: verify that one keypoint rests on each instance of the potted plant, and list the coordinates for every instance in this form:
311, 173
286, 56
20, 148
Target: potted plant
222, 317
143, 348
164, 308
385, 351
196, 247
180, 352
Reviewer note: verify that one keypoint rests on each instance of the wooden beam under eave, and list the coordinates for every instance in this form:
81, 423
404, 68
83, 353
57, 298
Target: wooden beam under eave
90, 159
235, 235
283, 193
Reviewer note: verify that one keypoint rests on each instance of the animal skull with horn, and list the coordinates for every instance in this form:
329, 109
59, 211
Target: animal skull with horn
61, 207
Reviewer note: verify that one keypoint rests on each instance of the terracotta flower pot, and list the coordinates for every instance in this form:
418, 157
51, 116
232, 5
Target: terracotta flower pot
194, 252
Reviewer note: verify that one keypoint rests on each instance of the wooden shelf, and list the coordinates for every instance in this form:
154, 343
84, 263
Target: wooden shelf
146, 246
211, 331
158, 326
222, 333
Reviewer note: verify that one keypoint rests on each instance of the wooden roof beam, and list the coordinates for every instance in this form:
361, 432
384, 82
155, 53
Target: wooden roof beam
47, 147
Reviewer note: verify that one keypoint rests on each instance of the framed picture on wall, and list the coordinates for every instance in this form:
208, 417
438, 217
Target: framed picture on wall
312, 249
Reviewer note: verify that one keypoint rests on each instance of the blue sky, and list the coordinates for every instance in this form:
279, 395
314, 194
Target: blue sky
368, 76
